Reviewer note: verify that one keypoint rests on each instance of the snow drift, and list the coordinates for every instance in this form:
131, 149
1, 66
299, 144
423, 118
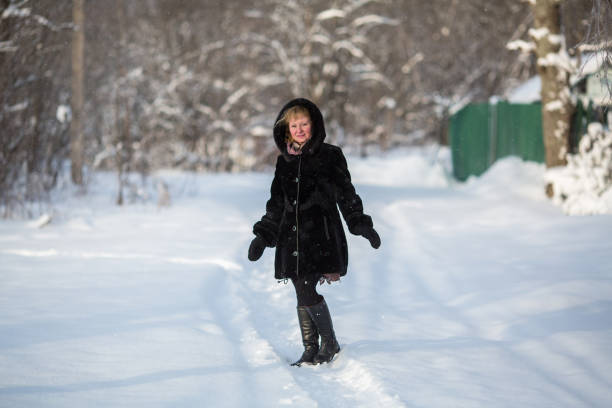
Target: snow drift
482, 295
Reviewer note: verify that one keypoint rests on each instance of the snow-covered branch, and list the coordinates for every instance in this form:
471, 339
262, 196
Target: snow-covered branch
16, 11
560, 60
329, 14
522, 46
233, 99
348, 46
8, 46
374, 19
584, 186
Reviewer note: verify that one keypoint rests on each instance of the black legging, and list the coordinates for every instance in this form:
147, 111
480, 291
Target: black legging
306, 291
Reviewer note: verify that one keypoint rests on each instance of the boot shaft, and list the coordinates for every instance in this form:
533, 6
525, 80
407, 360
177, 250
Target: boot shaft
308, 328
310, 337
321, 317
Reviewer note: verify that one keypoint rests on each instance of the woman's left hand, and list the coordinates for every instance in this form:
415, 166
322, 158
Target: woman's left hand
329, 277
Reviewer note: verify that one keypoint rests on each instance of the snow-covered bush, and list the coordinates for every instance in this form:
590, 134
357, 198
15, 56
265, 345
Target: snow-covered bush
584, 186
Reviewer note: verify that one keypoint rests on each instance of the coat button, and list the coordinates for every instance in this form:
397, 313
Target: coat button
294, 228
295, 253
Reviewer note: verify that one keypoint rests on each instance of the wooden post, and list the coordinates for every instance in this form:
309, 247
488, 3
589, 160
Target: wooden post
76, 126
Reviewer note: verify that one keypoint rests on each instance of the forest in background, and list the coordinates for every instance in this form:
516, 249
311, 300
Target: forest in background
197, 85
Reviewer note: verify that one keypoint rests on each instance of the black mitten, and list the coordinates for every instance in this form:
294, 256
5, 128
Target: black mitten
372, 236
256, 249
368, 233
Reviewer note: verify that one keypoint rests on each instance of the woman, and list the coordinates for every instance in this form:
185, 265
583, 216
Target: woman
302, 221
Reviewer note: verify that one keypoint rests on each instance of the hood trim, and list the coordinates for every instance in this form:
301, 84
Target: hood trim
318, 128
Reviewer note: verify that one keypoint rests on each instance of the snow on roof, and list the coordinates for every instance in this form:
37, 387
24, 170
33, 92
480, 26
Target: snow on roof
591, 63
527, 92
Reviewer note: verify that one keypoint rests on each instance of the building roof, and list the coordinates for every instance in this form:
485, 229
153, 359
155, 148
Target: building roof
527, 92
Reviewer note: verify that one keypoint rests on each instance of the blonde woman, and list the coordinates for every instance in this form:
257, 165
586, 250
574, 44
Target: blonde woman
302, 221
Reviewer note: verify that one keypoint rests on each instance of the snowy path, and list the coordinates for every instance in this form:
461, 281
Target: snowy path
482, 295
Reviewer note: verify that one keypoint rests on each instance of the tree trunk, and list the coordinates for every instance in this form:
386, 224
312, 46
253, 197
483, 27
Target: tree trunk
556, 104
76, 128
122, 121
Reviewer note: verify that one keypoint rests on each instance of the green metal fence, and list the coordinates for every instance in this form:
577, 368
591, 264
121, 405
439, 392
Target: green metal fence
481, 133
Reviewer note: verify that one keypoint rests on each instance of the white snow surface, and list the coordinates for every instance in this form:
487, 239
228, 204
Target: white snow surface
482, 294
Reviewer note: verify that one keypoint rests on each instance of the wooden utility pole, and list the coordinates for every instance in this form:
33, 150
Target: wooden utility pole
556, 104
76, 126
122, 108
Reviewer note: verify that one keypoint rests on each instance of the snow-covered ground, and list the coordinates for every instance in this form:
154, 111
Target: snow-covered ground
482, 295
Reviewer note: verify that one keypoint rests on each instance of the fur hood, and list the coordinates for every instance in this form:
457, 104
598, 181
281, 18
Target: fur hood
318, 128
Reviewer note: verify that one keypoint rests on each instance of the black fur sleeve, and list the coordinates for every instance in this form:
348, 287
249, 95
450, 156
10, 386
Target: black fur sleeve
267, 227
349, 202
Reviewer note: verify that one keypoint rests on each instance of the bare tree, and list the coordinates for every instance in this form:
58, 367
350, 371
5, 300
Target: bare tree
600, 24
34, 112
76, 128
598, 38
450, 53
554, 68
167, 88
326, 53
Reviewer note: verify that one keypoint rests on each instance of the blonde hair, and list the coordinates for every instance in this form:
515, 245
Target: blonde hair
292, 112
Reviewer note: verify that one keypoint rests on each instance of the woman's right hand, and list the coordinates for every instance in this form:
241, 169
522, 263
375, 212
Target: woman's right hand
368, 233
256, 249
372, 236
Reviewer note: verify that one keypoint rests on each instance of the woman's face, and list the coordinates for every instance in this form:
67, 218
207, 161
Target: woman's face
299, 127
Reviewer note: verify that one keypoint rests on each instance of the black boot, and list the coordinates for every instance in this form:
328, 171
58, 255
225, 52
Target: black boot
310, 337
329, 345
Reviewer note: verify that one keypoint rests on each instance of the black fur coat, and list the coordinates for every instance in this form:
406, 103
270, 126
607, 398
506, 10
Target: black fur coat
302, 219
